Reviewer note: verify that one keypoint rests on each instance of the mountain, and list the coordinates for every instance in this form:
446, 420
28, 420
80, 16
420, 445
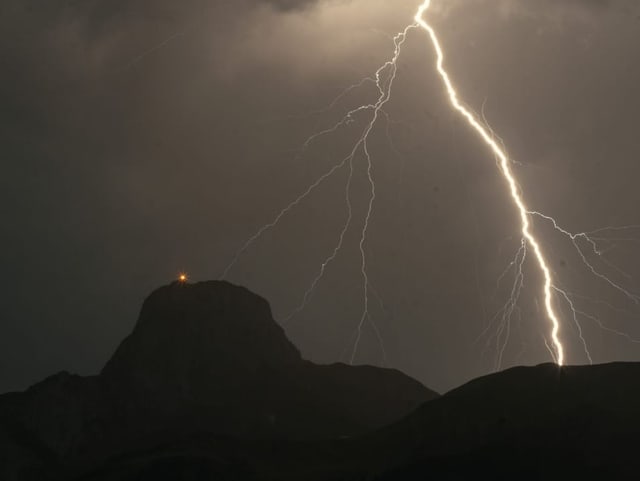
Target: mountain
207, 387
528, 423
204, 361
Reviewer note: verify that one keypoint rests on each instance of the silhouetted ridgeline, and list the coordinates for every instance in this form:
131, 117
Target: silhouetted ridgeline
204, 361
526, 423
207, 387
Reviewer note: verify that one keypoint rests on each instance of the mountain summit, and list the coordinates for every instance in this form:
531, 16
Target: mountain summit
207, 386
203, 359
194, 339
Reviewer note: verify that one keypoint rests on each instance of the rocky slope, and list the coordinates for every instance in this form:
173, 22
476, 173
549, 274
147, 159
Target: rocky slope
544, 422
534, 423
203, 359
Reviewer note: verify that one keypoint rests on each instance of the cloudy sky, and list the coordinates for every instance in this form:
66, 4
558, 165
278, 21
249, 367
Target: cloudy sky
143, 138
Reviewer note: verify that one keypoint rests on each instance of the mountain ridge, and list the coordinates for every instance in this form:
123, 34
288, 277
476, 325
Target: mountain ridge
163, 408
202, 358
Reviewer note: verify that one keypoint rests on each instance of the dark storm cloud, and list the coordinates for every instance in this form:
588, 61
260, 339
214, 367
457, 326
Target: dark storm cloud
291, 4
141, 138
108, 107
570, 8
551, 10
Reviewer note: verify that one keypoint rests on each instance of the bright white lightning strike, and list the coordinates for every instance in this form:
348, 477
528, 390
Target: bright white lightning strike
383, 79
509, 177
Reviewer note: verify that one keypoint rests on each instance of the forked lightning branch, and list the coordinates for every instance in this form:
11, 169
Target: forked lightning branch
584, 242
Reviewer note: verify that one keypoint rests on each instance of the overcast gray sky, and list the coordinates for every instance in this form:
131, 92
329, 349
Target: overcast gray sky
143, 138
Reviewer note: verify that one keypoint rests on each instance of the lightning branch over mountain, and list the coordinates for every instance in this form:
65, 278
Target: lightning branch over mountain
532, 246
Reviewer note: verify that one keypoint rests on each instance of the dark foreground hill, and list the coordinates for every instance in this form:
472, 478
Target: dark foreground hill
538, 423
204, 361
207, 387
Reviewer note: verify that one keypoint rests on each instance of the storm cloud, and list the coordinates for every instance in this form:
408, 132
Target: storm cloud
143, 138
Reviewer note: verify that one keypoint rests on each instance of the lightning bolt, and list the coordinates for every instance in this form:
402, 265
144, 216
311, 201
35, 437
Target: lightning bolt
509, 177
384, 79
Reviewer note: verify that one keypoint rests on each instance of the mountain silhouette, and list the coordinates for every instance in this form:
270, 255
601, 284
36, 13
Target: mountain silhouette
536, 423
208, 387
204, 360
533, 423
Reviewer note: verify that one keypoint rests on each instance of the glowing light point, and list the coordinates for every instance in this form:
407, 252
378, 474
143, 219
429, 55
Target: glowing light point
182, 278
